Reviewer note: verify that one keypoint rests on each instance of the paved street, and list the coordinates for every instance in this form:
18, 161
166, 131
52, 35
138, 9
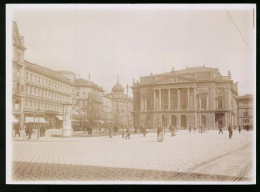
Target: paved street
138, 159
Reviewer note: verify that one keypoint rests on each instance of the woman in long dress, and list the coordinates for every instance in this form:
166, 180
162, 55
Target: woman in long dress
160, 134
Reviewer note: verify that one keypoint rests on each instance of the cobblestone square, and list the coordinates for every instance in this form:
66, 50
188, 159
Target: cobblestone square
187, 157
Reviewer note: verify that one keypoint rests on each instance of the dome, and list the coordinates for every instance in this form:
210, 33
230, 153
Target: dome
118, 87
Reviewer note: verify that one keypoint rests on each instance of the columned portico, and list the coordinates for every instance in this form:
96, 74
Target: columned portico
169, 99
178, 101
188, 100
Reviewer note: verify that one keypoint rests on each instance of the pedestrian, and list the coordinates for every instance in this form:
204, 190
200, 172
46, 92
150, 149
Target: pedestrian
17, 129
42, 131
111, 132
144, 130
160, 134
127, 133
239, 128
220, 130
230, 131
172, 129
195, 128
29, 131
189, 128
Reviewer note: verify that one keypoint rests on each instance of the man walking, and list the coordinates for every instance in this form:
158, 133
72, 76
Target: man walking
29, 131
239, 128
17, 129
230, 131
220, 130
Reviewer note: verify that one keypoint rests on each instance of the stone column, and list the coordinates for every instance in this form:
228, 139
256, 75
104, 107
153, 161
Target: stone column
160, 99
214, 98
194, 99
195, 119
188, 101
145, 105
227, 100
226, 120
169, 99
67, 130
207, 102
154, 99
178, 102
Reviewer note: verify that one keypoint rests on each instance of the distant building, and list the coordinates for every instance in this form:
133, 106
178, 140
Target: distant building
198, 96
246, 111
122, 107
107, 108
37, 91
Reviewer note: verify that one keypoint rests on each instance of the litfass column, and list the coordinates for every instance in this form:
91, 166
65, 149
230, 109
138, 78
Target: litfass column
67, 130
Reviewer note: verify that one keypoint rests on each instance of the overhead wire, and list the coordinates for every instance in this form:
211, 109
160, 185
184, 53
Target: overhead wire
238, 30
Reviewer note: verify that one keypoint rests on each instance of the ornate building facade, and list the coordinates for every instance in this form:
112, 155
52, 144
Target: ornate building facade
192, 96
246, 111
122, 106
36, 90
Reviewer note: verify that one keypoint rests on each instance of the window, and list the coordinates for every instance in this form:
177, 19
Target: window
27, 76
246, 120
203, 103
30, 77
220, 103
35, 78
245, 113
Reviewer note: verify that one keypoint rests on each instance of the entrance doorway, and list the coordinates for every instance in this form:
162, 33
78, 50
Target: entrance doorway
183, 121
173, 120
219, 119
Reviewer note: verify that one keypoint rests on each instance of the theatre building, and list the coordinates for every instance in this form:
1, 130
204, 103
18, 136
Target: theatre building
198, 96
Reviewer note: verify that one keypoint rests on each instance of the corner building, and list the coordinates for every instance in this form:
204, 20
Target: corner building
36, 90
193, 96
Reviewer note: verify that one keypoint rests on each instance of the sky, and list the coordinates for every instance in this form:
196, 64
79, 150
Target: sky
131, 43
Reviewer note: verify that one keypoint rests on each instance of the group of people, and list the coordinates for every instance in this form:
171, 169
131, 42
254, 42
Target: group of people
29, 130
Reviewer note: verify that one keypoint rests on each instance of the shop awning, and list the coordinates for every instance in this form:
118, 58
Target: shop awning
60, 117
31, 120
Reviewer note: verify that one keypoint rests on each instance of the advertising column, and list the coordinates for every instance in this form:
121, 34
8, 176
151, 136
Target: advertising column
67, 130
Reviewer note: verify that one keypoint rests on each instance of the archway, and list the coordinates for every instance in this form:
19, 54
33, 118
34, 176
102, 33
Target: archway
173, 120
183, 121
164, 121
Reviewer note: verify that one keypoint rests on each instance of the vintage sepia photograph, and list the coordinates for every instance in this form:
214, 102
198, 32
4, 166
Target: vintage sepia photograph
131, 94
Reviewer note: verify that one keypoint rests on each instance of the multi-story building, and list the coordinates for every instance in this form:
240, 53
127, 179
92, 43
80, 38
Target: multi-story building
107, 108
122, 106
88, 101
246, 111
37, 91
198, 96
